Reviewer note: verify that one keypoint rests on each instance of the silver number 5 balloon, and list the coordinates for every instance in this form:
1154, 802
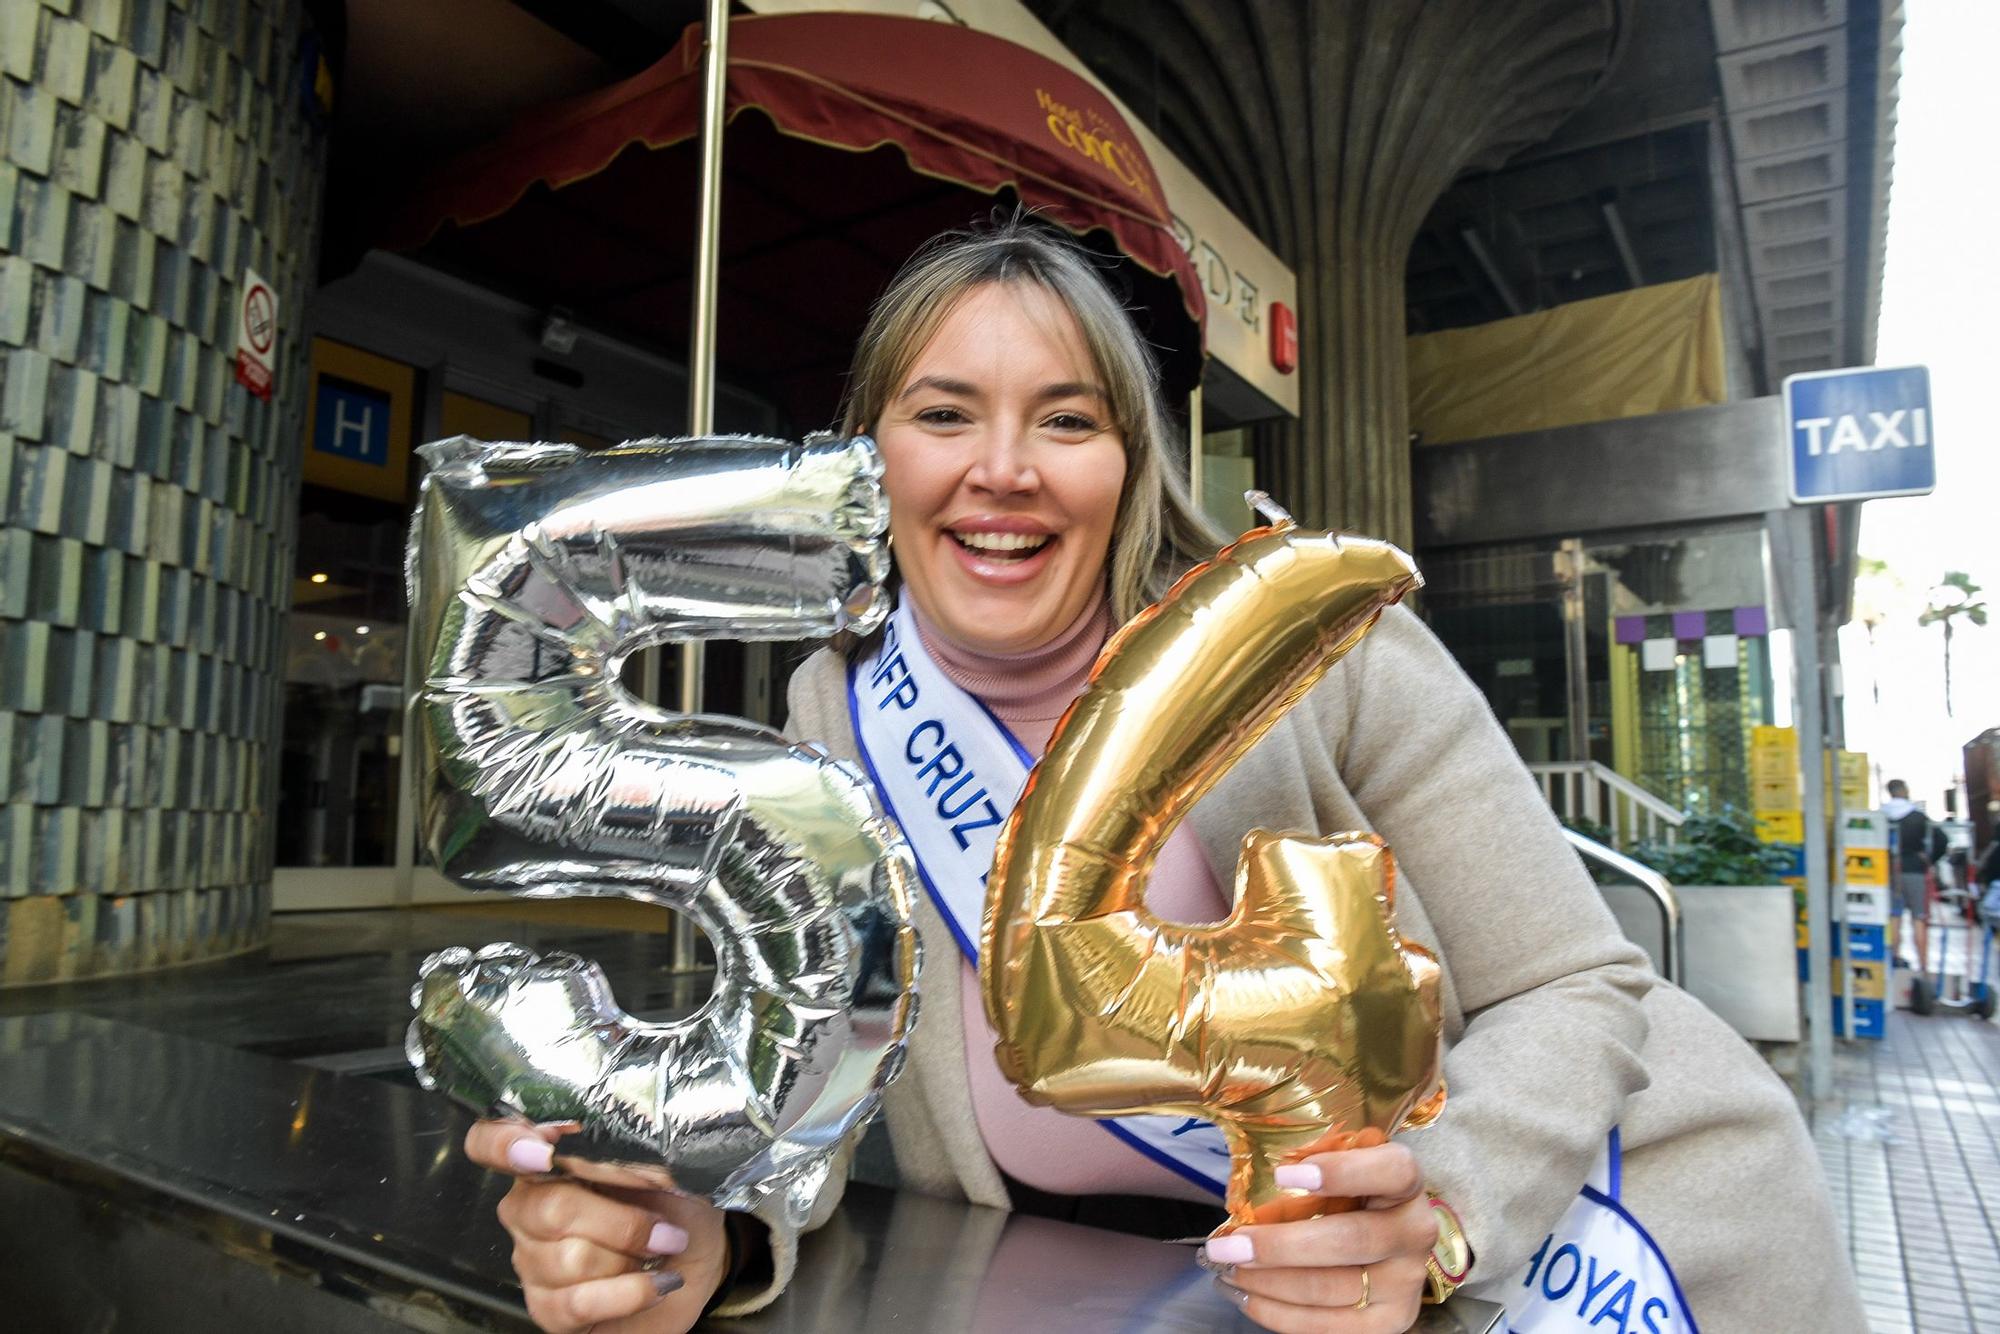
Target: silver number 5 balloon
534, 571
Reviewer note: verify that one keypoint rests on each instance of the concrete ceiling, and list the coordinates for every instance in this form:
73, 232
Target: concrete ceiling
430, 78
1747, 137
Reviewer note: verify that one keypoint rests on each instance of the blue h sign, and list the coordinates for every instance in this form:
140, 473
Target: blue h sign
351, 421
1860, 434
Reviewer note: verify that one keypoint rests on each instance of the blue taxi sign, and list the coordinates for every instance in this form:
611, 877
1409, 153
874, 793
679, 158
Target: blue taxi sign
1860, 434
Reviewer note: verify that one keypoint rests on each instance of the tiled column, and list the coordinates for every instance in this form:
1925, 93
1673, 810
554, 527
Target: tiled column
153, 151
1331, 127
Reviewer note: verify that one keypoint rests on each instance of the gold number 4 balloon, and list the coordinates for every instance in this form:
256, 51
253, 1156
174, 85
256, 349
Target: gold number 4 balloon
1302, 1021
534, 570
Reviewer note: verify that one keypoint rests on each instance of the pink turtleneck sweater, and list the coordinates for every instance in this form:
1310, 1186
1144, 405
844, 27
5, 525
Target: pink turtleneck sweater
1043, 1148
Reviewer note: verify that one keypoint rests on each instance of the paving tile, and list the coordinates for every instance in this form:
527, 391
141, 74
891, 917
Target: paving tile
1921, 1211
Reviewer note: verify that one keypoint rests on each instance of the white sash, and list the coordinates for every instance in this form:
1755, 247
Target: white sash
1598, 1271
950, 772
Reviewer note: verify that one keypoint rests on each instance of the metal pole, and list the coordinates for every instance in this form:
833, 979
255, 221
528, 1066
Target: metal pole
707, 263
1802, 587
701, 338
1194, 445
1836, 735
1576, 645
406, 776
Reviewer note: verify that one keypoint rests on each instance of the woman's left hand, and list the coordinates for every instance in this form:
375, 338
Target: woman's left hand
1305, 1277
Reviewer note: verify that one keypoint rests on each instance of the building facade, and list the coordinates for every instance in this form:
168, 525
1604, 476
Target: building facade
163, 163
202, 668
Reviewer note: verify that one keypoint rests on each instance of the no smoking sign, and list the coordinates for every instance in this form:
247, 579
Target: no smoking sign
256, 334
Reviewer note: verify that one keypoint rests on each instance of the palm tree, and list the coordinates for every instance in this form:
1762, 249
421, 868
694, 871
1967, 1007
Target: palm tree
1878, 592
1953, 597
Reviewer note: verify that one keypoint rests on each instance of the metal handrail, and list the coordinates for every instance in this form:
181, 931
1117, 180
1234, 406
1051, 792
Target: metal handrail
1673, 951
1602, 795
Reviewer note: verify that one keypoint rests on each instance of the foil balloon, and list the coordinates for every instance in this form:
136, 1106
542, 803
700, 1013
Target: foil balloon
534, 571
1302, 1021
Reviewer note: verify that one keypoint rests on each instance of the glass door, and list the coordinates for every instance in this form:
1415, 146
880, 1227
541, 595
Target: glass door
1647, 656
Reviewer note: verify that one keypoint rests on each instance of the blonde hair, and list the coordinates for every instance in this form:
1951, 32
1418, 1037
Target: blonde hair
1158, 533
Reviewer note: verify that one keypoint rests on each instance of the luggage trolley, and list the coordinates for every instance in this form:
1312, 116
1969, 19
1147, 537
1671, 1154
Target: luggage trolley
1979, 916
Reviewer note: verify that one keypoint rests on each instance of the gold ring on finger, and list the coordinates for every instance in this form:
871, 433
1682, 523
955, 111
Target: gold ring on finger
1362, 1305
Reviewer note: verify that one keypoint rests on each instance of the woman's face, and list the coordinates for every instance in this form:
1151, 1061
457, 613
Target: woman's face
1003, 469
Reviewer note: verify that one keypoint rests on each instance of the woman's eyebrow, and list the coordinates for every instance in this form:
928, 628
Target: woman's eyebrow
1071, 389
944, 384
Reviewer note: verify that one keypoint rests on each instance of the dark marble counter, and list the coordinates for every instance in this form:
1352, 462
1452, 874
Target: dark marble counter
368, 1173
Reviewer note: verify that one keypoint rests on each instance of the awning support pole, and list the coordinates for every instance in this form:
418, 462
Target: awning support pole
1802, 591
701, 339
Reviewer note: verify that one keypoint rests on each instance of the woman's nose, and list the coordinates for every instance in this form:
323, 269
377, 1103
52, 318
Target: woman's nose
1004, 463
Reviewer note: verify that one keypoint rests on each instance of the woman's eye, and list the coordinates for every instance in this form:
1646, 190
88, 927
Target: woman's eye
942, 416
1072, 423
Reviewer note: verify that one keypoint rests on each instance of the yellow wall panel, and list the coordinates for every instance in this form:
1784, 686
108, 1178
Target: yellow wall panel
461, 414
1630, 354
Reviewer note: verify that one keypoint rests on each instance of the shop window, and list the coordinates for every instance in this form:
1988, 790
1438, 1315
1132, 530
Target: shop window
1227, 471
340, 760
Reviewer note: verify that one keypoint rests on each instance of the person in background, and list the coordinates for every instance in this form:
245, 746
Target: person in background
1917, 845
1986, 884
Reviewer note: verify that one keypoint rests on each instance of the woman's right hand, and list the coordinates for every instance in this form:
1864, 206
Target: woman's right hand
599, 1258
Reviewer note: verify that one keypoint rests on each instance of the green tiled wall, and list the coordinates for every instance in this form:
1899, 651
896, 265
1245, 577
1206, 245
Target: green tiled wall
150, 151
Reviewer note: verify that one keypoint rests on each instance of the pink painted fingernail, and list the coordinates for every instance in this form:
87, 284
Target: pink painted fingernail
666, 1239
1298, 1176
532, 1156
1230, 1250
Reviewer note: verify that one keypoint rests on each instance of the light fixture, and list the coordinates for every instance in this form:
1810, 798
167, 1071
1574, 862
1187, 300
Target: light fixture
319, 634
558, 331
360, 629
319, 577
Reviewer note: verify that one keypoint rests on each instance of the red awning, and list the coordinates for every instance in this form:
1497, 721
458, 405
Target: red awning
589, 202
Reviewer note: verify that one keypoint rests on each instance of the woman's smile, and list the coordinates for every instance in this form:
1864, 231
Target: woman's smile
1001, 550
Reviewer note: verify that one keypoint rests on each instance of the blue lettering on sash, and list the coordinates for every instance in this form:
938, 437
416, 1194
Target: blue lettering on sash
928, 727
1535, 1260
903, 693
1619, 1305
1598, 1282
988, 815
890, 667
1549, 1289
946, 763
1593, 1285
943, 763
1195, 1123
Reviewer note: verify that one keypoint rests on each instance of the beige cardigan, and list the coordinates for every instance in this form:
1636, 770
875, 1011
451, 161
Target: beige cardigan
1556, 1028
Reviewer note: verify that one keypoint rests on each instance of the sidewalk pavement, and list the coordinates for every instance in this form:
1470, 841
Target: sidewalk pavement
1912, 1154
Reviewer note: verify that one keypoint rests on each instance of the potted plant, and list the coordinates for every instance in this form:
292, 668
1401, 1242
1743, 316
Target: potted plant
1737, 921
1718, 849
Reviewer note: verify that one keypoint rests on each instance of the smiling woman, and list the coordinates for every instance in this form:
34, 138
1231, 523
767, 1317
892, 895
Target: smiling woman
1035, 505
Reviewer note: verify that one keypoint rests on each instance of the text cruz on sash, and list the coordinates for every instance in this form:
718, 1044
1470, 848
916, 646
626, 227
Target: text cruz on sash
954, 786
